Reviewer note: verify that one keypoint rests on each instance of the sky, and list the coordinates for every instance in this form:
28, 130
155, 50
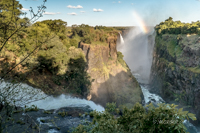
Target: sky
117, 12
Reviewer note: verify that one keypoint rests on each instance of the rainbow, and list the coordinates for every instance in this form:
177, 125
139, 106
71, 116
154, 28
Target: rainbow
140, 22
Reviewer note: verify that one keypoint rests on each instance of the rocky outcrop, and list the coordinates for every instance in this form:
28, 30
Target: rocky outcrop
175, 71
112, 81
59, 120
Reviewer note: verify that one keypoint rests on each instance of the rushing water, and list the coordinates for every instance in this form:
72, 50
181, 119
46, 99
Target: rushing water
65, 101
24, 94
121, 39
155, 99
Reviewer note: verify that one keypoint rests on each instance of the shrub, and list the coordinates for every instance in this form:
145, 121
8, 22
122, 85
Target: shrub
63, 114
165, 118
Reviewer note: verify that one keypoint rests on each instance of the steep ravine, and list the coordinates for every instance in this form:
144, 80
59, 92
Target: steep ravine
175, 71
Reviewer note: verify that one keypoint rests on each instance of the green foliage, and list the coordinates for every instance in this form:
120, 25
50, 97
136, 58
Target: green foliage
86, 113
170, 43
74, 42
171, 27
20, 122
87, 39
90, 35
171, 47
111, 107
43, 121
165, 118
53, 56
57, 26
32, 108
172, 66
79, 114
104, 28
120, 57
77, 76
9, 13
47, 112
194, 69
63, 114
91, 114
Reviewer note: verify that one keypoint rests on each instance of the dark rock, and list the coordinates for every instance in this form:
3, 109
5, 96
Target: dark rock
48, 121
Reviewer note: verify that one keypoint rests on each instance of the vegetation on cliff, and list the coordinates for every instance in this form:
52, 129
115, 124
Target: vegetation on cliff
177, 27
177, 54
166, 119
93, 35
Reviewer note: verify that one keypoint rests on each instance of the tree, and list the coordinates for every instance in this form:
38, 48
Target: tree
12, 28
57, 26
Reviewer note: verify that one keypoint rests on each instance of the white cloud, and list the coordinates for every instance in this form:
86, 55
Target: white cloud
75, 7
69, 6
119, 1
24, 9
82, 11
73, 13
51, 13
131, 3
79, 7
97, 10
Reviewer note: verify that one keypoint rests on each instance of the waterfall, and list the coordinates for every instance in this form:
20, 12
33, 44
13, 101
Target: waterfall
121, 39
136, 53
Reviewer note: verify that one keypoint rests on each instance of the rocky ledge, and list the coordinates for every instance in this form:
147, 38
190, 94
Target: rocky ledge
61, 120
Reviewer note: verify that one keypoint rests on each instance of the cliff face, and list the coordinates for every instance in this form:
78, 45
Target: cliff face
112, 81
175, 71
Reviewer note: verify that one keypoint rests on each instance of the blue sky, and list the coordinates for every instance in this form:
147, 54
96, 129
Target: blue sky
117, 12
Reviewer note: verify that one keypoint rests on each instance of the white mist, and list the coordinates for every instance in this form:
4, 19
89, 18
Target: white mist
137, 53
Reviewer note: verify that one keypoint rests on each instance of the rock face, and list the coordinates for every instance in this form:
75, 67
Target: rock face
112, 81
175, 71
60, 120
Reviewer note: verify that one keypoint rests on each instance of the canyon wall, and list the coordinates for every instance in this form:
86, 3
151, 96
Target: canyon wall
112, 81
175, 71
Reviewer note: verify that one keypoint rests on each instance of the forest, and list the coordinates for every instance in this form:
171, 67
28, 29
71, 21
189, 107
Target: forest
177, 27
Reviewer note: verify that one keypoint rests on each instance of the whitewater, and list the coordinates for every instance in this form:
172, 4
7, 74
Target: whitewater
24, 94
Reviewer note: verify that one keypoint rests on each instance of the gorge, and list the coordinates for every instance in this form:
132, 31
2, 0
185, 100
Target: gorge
117, 69
141, 55
136, 44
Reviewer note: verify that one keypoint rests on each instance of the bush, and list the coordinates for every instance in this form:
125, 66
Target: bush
165, 118
120, 57
87, 39
63, 114
74, 42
